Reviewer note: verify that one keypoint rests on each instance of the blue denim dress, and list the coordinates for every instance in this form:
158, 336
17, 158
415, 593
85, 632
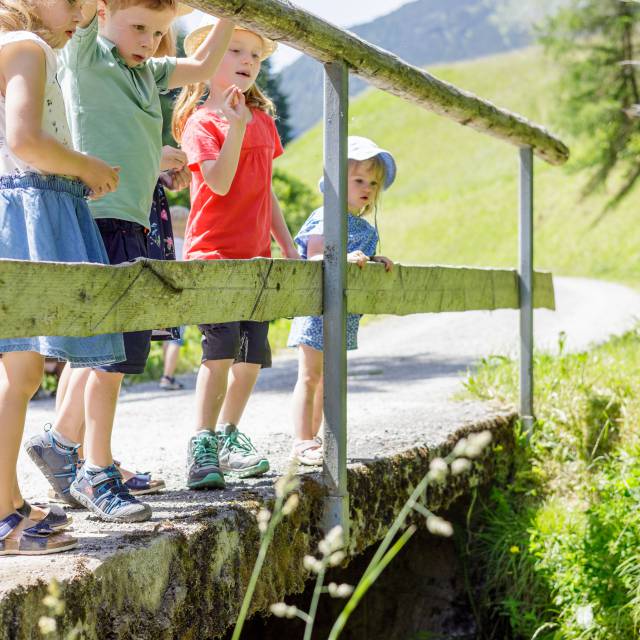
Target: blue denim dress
46, 218
360, 236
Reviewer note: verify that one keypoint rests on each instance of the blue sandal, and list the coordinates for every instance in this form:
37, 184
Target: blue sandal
20, 536
56, 519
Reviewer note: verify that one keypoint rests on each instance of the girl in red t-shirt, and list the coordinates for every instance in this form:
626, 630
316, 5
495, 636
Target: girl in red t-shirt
230, 141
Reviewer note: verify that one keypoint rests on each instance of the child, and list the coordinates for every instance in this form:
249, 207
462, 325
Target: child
111, 83
43, 217
370, 170
230, 141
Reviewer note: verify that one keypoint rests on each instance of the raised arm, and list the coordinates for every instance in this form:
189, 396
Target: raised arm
203, 63
89, 8
23, 76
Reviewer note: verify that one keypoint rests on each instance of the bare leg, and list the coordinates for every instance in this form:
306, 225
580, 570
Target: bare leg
63, 384
22, 373
101, 398
242, 379
318, 408
171, 357
211, 388
70, 407
304, 394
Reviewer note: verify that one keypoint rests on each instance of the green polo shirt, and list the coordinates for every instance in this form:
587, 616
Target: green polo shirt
114, 113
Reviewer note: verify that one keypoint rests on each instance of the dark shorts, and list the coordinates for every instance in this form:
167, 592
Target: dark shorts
244, 341
125, 241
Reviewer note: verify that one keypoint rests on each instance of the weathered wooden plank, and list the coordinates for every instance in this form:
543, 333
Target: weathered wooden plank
436, 289
285, 22
79, 300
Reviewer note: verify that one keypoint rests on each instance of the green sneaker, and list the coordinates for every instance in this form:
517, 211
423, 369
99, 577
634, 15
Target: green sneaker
203, 468
238, 456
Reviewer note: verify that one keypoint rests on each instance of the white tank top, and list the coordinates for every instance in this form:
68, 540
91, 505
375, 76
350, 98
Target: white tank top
54, 119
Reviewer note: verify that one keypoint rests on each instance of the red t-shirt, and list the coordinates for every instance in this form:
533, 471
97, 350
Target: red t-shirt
237, 225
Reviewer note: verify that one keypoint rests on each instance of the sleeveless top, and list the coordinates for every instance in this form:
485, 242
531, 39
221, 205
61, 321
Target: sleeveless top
54, 119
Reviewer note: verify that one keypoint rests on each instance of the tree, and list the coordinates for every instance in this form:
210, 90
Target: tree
270, 84
595, 42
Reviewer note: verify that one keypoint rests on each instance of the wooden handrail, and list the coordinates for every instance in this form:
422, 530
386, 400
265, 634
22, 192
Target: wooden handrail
87, 299
287, 23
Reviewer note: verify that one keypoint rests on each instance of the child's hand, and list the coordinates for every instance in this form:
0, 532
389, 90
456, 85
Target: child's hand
172, 159
234, 106
99, 177
358, 258
388, 264
176, 180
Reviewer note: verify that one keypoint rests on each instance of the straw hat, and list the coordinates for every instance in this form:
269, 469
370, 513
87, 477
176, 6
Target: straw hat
197, 36
183, 10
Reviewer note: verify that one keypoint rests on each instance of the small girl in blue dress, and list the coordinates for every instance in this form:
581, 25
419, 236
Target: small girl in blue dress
370, 170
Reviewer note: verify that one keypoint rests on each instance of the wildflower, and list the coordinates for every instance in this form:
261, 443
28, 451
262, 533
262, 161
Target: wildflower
335, 538
336, 558
458, 450
460, 465
514, 549
438, 470
439, 526
291, 504
283, 610
263, 517
47, 625
339, 590
311, 564
476, 443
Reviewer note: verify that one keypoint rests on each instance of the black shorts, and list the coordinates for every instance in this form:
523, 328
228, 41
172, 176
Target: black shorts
244, 341
125, 241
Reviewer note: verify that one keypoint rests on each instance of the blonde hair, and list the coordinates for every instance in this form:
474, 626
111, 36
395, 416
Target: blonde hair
192, 96
376, 165
167, 46
21, 15
116, 5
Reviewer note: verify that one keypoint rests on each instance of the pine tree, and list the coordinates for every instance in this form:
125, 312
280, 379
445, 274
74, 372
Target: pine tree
270, 84
595, 41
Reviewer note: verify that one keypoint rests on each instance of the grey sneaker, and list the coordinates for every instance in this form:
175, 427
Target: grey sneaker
169, 383
203, 468
238, 456
104, 493
57, 462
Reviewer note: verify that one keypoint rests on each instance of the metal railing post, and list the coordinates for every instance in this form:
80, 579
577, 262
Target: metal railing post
526, 288
336, 103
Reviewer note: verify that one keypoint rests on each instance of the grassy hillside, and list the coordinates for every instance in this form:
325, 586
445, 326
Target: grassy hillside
455, 200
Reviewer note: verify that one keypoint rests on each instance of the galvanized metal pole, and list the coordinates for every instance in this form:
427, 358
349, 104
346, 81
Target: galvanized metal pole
336, 103
526, 288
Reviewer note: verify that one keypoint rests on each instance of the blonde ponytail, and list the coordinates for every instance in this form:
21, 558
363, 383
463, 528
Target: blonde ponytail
21, 15
186, 103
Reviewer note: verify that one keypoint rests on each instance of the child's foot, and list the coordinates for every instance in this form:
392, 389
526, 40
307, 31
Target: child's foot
20, 536
203, 466
57, 462
307, 452
169, 383
48, 515
238, 456
140, 483
104, 493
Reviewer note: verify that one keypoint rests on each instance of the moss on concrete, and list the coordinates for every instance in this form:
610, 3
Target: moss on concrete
186, 579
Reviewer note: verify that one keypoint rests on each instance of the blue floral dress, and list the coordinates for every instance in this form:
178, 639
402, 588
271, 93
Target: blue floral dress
360, 236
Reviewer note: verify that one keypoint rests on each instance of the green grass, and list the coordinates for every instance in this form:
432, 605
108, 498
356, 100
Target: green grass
558, 539
455, 200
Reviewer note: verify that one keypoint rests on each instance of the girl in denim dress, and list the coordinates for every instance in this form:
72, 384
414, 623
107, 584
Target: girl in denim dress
43, 217
370, 170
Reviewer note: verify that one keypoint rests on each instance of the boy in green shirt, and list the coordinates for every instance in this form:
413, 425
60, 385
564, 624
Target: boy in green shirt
111, 85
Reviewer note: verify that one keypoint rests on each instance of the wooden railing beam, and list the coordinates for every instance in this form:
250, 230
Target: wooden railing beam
287, 23
40, 298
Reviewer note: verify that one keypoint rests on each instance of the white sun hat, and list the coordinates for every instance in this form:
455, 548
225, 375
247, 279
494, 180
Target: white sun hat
360, 148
